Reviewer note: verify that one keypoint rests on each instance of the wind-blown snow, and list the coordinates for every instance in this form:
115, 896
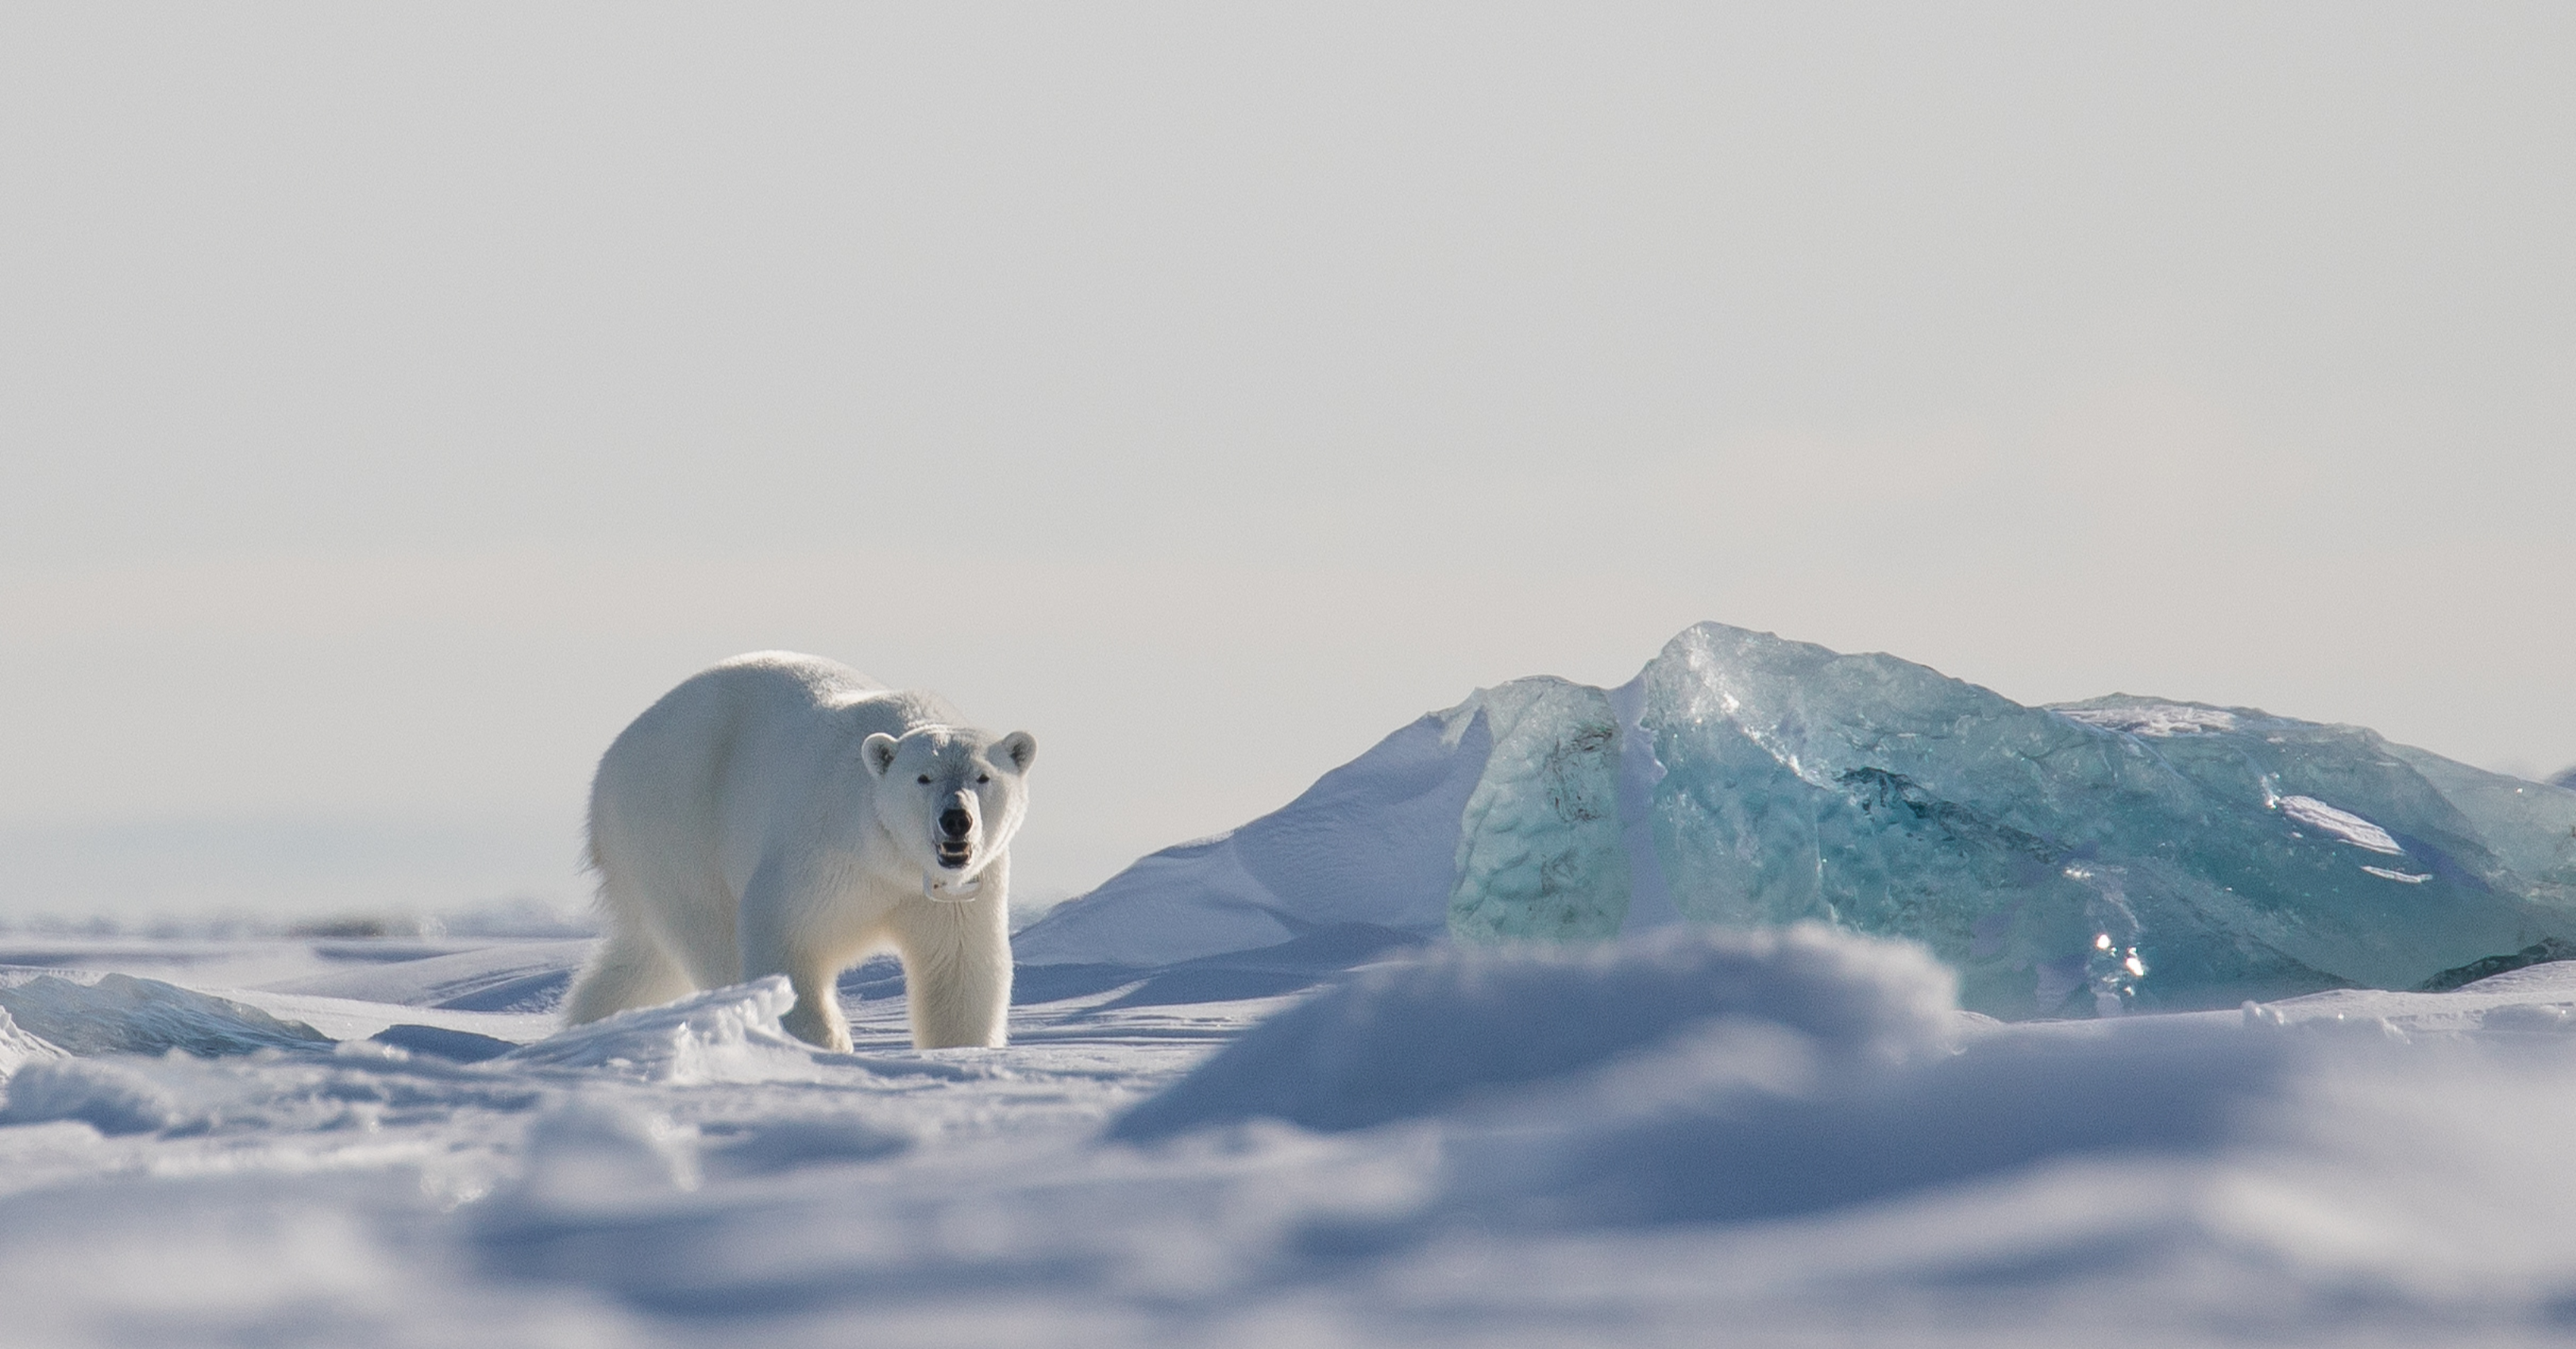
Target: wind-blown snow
1786, 1135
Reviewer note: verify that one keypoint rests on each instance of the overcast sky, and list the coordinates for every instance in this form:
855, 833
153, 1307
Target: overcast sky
394, 399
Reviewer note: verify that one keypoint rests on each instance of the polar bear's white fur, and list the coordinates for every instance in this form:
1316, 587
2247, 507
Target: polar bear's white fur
782, 814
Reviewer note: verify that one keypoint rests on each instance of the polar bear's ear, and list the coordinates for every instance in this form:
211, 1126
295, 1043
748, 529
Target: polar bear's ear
1021, 748
878, 751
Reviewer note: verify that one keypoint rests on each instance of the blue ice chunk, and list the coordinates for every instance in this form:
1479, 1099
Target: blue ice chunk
1539, 850
2067, 860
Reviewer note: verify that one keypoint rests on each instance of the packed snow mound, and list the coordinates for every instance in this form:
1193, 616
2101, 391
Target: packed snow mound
121, 1014
2081, 859
1727, 1126
721, 1035
1407, 1040
2353, 1164
1370, 844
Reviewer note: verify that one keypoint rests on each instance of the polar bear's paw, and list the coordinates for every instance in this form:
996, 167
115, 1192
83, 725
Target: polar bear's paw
816, 1027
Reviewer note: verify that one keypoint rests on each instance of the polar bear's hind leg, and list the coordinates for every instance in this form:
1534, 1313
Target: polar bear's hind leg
629, 970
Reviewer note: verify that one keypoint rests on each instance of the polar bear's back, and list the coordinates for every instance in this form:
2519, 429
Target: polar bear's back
710, 772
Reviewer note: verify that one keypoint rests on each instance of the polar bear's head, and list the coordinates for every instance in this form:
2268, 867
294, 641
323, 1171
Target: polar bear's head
951, 798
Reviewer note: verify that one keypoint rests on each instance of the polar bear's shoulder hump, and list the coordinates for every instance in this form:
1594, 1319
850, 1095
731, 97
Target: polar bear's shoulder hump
826, 685
818, 673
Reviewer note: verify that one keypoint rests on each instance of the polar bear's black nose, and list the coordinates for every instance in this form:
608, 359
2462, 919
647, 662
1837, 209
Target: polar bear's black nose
956, 823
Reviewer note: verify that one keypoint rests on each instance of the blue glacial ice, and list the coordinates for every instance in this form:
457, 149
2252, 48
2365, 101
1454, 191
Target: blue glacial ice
2077, 859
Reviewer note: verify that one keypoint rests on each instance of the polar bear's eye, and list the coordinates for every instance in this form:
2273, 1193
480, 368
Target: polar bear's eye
983, 777
924, 779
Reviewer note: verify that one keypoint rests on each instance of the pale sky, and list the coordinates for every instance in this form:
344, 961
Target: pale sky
395, 399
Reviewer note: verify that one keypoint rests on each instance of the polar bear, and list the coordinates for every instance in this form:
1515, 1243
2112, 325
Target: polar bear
783, 814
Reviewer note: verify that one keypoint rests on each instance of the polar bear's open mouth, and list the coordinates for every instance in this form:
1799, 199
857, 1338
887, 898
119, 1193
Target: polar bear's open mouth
955, 856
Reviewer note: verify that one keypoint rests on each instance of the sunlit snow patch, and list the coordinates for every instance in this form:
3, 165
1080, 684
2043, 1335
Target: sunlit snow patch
722, 1035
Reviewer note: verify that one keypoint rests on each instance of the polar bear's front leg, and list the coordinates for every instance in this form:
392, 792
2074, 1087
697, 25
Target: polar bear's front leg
957, 968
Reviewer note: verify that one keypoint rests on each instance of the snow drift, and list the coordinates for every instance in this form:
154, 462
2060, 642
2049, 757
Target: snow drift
1412, 1039
1788, 1134
2071, 860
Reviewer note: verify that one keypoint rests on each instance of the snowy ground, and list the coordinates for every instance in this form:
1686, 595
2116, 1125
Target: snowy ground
1582, 1150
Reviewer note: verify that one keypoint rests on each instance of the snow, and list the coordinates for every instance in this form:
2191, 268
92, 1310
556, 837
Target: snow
1373, 842
1792, 1134
1402, 1041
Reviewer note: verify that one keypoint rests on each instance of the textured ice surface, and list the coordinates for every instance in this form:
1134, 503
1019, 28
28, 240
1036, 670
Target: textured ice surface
2092, 857
2088, 856
1538, 844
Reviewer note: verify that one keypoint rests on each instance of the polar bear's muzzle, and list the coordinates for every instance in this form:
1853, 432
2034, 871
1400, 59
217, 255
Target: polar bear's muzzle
953, 846
956, 843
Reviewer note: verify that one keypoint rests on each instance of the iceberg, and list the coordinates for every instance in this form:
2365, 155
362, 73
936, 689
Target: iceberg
2070, 860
